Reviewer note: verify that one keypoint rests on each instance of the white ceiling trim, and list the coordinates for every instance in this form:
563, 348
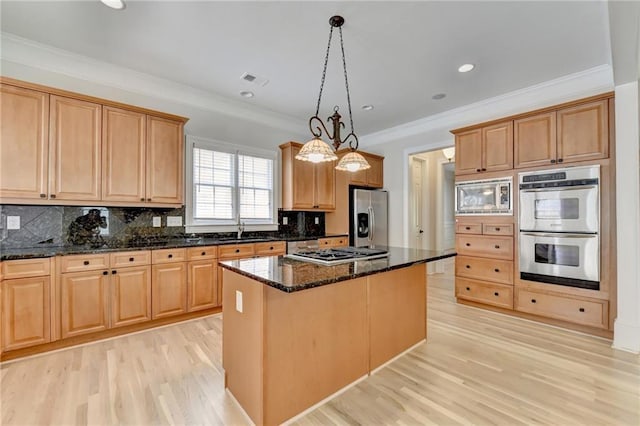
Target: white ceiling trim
574, 86
41, 56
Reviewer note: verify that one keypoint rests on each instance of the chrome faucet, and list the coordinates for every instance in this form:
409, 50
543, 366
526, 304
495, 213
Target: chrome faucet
240, 229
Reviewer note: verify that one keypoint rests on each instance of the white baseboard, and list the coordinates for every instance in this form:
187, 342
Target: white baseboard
626, 336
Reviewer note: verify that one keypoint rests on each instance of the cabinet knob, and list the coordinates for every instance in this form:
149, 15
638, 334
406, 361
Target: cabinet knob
478, 170
497, 229
496, 270
468, 245
148, 199
131, 259
86, 262
43, 195
53, 195
114, 272
533, 300
105, 273
581, 309
468, 289
553, 161
271, 248
484, 170
496, 246
496, 294
141, 199
468, 228
560, 160
204, 253
237, 250
170, 256
468, 266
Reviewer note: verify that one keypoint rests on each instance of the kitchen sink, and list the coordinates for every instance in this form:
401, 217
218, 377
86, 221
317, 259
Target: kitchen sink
244, 240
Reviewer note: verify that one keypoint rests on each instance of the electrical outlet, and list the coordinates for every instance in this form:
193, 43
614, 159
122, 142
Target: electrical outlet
157, 222
13, 222
174, 220
285, 220
239, 301
316, 220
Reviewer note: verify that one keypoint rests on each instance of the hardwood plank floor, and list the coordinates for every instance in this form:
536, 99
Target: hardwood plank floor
478, 367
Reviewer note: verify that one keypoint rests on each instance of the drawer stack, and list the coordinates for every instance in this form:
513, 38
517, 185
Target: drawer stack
484, 265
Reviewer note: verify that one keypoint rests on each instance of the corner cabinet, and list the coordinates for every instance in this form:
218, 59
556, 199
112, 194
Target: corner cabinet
306, 185
60, 147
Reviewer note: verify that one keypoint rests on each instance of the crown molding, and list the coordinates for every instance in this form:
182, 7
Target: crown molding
48, 58
570, 87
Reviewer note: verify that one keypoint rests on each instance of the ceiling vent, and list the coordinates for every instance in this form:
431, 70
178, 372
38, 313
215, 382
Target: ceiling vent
254, 79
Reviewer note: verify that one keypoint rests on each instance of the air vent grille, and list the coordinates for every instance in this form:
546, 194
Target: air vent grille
254, 79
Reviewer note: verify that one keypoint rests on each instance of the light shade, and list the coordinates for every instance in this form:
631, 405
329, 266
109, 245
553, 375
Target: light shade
449, 153
316, 151
352, 162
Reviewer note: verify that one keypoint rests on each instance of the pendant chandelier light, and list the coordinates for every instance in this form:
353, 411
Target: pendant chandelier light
317, 150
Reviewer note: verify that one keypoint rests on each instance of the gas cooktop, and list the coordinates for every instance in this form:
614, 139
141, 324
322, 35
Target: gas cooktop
339, 255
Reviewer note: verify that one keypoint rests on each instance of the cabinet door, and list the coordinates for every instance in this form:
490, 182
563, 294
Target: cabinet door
25, 312
303, 182
469, 152
583, 132
325, 185
375, 173
130, 295
24, 131
534, 140
164, 161
84, 302
202, 292
168, 289
123, 155
75, 149
497, 147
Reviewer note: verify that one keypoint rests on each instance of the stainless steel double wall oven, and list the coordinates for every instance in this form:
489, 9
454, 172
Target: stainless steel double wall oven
560, 226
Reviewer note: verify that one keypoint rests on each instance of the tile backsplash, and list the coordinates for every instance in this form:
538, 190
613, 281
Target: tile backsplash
63, 225
309, 224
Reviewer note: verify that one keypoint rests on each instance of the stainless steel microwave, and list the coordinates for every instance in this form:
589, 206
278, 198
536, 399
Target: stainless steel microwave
483, 197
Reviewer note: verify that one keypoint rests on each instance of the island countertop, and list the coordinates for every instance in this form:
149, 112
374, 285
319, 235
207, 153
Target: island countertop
291, 275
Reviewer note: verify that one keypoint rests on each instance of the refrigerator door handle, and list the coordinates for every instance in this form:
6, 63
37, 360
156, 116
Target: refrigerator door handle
372, 224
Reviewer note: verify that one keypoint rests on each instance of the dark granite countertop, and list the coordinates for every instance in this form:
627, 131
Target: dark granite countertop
49, 251
291, 275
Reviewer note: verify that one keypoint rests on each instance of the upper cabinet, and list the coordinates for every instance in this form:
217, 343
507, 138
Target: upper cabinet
65, 148
372, 177
576, 133
485, 149
306, 185
24, 151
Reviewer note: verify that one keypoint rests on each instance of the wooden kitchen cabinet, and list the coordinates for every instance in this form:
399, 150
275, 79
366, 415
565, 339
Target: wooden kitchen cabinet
485, 149
168, 289
75, 149
372, 177
305, 185
24, 151
329, 242
165, 164
567, 135
84, 302
25, 308
124, 148
202, 291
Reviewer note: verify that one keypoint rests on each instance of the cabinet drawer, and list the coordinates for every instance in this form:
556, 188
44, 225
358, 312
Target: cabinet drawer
235, 251
275, 248
130, 258
499, 271
84, 262
594, 313
489, 246
202, 253
490, 294
497, 229
169, 255
333, 242
25, 268
468, 228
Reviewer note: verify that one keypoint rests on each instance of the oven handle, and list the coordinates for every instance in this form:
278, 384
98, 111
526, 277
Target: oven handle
558, 235
559, 188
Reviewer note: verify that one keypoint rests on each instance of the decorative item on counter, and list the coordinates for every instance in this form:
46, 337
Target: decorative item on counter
86, 229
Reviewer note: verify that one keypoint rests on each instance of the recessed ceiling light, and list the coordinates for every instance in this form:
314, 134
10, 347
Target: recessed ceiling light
466, 67
367, 107
246, 94
438, 96
114, 4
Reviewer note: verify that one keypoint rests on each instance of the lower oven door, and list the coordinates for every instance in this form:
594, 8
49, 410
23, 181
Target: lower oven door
564, 259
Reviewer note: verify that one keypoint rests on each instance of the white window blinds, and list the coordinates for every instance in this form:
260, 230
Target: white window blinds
256, 187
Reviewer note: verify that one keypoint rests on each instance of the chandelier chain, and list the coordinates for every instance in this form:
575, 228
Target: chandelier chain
324, 70
346, 80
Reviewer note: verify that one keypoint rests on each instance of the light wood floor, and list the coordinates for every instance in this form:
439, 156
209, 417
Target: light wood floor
478, 367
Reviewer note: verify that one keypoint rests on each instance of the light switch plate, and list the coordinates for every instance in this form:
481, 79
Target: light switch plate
13, 222
157, 222
285, 220
317, 220
174, 220
239, 301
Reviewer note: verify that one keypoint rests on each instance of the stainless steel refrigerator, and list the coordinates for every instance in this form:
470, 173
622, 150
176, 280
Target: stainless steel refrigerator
368, 218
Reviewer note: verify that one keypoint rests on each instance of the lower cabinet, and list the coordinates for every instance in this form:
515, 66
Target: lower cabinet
25, 312
484, 292
169, 289
202, 291
130, 295
84, 302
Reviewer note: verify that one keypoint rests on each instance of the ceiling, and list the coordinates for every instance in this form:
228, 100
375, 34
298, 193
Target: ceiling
399, 54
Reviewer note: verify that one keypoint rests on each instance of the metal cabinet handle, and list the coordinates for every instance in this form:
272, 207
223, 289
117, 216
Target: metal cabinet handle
496, 294
468, 228
468, 266
496, 270
105, 273
141, 199
560, 160
553, 161
468, 289
477, 170
86, 262
468, 245
170, 256
43, 195
237, 250
148, 199
497, 246
484, 170
581, 309
114, 272
533, 300
271, 248
497, 229
204, 253
53, 195
131, 259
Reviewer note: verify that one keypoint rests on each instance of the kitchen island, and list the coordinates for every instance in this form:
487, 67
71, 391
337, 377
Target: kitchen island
295, 333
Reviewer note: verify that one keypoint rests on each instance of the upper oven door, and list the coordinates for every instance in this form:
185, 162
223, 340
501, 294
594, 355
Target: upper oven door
563, 209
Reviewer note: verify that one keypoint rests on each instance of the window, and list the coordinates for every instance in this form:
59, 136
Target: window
229, 183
